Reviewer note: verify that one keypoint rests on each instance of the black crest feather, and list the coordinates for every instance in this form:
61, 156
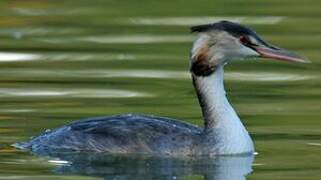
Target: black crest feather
233, 28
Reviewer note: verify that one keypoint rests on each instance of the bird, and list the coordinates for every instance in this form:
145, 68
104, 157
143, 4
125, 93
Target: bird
223, 133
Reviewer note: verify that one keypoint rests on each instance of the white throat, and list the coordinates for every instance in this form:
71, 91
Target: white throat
223, 127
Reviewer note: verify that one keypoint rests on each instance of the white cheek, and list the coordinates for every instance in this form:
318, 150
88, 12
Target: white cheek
217, 58
247, 52
199, 43
237, 51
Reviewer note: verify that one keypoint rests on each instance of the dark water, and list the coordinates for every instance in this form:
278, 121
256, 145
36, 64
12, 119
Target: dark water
65, 60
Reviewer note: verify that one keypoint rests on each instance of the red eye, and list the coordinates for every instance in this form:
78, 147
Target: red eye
244, 40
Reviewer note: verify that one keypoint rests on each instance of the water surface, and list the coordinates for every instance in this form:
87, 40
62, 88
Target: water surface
65, 60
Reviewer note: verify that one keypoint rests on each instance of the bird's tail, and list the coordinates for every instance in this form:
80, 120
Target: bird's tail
26, 145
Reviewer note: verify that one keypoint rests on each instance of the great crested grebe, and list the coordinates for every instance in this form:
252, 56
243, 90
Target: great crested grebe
223, 132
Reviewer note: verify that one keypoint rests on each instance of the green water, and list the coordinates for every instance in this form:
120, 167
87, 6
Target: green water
65, 60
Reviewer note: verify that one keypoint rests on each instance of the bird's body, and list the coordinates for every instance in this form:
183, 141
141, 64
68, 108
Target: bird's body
127, 133
223, 132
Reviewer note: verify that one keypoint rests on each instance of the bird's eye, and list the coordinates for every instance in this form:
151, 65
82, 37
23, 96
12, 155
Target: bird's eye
245, 40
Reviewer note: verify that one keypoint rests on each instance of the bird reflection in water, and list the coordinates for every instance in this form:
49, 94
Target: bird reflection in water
134, 167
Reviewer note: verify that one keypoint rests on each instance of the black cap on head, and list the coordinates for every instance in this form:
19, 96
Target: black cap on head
232, 28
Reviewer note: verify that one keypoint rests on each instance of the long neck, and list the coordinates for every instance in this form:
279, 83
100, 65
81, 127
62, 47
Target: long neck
211, 94
222, 125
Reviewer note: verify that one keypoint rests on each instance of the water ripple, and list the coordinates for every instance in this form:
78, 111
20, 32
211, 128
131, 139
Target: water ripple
314, 144
137, 39
188, 21
71, 93
11, 57
266, 76
162, 74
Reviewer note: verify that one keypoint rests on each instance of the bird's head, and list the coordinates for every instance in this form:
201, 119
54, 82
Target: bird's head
225, 41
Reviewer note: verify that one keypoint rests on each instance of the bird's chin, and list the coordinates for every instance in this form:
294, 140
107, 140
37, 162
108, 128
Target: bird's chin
246, 58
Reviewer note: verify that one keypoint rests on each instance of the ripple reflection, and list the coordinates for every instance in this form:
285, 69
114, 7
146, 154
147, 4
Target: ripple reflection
162, 74
188, 21
10, 57
137, 39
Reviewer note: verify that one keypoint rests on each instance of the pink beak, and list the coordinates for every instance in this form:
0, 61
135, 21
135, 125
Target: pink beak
279, 54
